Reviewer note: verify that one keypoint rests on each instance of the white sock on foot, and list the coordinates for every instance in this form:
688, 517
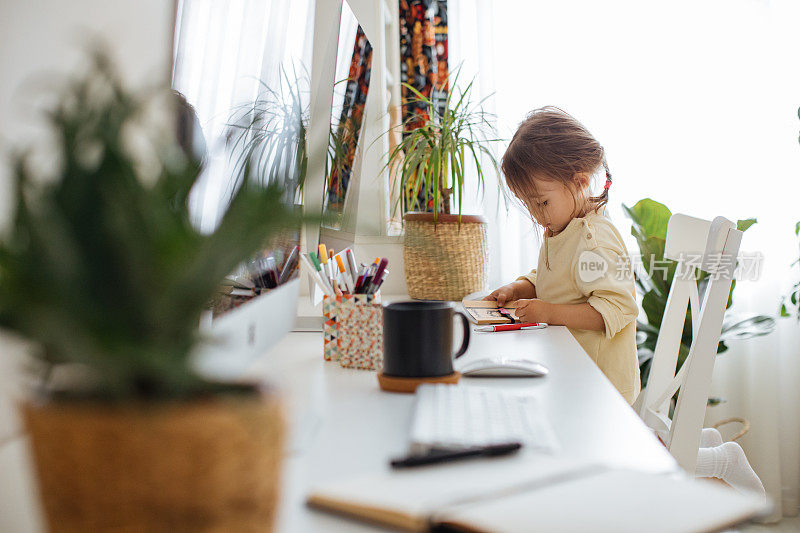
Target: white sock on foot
706, 462
710, 437
737, 472
729, 463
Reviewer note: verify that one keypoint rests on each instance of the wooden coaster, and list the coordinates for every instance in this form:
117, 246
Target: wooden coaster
397, 384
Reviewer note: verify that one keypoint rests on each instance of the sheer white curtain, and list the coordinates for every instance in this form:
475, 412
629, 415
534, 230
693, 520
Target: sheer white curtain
696, 104
473, 53
222, 50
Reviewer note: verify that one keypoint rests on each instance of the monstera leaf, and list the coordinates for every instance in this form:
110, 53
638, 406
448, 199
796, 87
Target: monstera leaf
649, 221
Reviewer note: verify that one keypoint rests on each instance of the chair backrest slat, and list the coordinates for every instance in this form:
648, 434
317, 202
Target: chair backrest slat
685, 235
665, 357
711, 247
694, 306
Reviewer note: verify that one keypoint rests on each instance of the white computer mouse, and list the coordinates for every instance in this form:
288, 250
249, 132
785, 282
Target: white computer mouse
504, 367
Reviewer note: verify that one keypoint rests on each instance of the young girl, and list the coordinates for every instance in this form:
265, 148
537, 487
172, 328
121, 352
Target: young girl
583, 280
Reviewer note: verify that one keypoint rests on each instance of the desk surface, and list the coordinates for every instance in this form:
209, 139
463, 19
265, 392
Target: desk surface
342, 424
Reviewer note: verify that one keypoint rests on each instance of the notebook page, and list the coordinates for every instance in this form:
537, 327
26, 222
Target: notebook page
407, 498
615, 501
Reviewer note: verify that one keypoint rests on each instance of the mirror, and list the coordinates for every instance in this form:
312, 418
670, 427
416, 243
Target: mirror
244, 69
351, 85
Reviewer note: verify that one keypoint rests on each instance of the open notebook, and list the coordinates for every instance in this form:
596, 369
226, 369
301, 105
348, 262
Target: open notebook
487, 311
509, 495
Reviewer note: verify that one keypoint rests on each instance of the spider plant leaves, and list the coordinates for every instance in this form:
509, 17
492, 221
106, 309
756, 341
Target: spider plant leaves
431, 160
269, 135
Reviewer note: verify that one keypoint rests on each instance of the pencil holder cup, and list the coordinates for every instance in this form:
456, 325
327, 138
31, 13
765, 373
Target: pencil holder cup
330, 310
360, 339
352, 332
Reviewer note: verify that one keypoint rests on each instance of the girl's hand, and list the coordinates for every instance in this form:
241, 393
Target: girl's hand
533, 311
502, 295
513, 291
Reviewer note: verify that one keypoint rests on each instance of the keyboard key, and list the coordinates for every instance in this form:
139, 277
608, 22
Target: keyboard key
462, 416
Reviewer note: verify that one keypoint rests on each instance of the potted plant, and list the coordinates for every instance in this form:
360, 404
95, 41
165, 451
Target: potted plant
104, 273
792, 300
649, 225
268, 136
445, 253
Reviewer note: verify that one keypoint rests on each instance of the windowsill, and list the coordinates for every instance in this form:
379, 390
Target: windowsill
359, 239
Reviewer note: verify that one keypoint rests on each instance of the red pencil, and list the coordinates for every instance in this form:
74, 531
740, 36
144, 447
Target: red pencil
513, 327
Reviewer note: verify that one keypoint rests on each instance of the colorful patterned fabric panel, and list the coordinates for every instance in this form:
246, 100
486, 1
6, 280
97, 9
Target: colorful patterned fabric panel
423, 65
350, 121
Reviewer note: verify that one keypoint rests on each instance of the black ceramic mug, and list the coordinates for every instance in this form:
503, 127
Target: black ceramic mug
418, 339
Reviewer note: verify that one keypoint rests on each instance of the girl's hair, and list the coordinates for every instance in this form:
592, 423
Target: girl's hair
551, 144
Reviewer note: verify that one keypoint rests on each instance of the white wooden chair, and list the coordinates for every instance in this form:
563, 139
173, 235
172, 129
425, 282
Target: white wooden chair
687, 238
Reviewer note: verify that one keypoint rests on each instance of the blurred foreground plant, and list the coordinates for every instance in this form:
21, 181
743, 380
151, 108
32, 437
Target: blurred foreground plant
101, 266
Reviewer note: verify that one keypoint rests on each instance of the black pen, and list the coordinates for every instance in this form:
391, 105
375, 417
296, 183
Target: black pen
441, 455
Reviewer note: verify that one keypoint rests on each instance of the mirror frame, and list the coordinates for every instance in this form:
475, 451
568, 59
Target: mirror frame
366, 209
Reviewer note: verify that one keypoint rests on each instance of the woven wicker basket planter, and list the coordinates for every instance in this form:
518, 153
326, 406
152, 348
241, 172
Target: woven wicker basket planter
443, 261
211, 465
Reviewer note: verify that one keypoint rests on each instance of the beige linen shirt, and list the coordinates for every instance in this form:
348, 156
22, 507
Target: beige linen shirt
589, 263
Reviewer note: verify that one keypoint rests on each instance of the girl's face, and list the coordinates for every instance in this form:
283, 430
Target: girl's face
555, 205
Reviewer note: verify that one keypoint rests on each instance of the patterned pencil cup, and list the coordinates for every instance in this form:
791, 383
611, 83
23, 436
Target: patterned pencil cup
330, 311
360, 332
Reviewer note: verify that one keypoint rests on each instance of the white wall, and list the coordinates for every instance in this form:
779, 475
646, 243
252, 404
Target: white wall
47, 36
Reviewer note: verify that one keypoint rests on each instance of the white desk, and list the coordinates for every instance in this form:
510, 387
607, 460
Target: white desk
343, 425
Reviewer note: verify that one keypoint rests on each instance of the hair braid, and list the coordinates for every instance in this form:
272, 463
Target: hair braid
602, 199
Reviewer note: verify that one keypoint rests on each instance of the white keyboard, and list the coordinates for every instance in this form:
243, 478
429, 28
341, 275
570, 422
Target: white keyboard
462, 416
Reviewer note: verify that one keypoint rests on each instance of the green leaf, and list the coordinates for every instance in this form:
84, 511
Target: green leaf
738, 327
650, 218
653, 305
683, 353
742, 225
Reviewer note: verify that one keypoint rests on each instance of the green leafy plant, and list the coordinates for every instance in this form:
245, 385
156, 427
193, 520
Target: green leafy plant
649, 225
267, 136
792, 300
102, 268
433, 158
